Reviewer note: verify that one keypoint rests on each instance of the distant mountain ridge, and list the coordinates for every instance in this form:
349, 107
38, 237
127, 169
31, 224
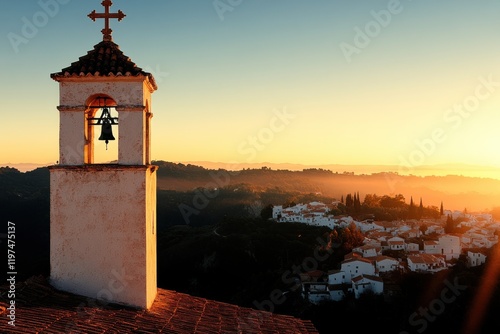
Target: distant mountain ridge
424, 170
455, 191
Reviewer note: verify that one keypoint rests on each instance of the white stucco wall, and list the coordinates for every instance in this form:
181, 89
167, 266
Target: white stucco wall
103, 232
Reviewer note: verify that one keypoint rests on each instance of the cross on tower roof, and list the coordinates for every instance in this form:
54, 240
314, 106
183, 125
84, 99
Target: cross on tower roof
106, 16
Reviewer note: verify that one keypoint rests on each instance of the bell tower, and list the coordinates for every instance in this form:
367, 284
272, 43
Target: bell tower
103, 216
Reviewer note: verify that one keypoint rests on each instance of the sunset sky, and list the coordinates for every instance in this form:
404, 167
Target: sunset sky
314, 82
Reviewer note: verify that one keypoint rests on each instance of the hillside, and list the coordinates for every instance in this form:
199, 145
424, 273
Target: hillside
456, 192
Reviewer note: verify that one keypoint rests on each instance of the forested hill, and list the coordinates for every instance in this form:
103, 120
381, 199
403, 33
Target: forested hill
456, 192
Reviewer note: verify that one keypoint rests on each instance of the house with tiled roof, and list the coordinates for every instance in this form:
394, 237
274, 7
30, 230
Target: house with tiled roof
314, 213
412, 247
476, 257
367, 283
368, 250
338, 292
479, 237
338, 277
426, 263
396, 243
356, 266
385, 264
386, 226
366, 226
379, 235
450, 246
313, 276
433, 228
431, 247
316, 292
411, 233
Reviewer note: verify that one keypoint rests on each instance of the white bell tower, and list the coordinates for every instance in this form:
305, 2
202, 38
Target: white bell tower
103, 216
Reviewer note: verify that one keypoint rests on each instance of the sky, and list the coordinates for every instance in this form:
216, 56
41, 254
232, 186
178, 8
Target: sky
360, 82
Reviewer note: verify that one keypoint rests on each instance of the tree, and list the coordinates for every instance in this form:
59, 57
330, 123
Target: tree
411, 209
398, 201
357, 202
423, 228
371, 200
267, 212
349, 201
421, 209
441, 210
450, 225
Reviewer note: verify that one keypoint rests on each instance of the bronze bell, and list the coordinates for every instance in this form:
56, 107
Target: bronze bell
106, 132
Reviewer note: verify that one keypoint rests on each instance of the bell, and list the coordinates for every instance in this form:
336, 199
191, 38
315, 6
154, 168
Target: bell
106, 132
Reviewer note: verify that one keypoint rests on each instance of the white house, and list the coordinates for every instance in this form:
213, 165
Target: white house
366, 226
396, 243
450, 246
368, 250
431, 247
337, 277
434, 229
364, 283
475, 258
357, 266
316, 292
386, 263
337, 292
426, 263
412, 247
314, 213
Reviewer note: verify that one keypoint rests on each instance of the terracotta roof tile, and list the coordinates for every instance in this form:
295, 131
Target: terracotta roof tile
106, 59
42, 309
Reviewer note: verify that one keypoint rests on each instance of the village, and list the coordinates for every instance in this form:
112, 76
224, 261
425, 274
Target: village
421, 245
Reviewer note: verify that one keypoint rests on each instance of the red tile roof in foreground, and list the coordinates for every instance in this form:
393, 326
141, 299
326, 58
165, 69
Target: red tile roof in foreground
106, 59
42, 309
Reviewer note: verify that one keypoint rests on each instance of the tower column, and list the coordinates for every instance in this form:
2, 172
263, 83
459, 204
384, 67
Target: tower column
132, 149
73, 136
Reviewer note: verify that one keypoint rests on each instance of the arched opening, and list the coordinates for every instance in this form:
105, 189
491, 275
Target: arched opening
101, 130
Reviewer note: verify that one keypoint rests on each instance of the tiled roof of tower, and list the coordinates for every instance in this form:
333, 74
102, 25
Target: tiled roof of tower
106, 59
42, 309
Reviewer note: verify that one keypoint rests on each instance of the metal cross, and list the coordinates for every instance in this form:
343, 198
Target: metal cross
106, 16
